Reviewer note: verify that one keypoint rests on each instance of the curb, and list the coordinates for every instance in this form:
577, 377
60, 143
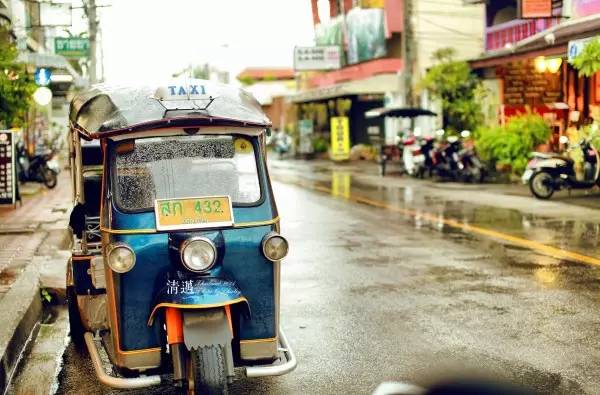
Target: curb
21, 308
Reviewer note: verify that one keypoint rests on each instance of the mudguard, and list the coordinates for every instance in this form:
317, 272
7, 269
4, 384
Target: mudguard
198, 293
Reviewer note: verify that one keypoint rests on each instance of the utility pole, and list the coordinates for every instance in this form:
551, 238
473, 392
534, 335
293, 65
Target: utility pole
93, 31
408, 54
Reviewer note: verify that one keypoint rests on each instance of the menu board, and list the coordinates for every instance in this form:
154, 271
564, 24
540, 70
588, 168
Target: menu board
524, 85
7, 168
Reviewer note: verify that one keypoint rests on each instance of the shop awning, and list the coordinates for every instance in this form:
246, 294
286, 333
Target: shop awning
399, 112
551, 42
377, 84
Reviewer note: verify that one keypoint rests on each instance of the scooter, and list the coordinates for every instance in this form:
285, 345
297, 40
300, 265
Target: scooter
37, 168
547, 173
416, 155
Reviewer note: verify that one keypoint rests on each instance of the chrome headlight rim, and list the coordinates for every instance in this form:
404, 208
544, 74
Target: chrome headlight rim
184, 244
270, 236
113, 246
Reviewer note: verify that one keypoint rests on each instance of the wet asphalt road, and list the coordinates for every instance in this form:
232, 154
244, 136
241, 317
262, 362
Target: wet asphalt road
370, 295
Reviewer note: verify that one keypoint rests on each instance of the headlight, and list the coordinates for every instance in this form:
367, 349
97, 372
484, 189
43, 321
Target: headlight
275, 247
121, 257
198, 254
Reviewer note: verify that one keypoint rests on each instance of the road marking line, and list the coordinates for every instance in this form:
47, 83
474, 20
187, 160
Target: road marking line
544, 249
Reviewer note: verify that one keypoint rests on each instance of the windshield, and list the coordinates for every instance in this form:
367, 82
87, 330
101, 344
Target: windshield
185, 166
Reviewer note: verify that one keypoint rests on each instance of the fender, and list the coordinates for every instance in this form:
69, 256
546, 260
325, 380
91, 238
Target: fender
550, 164
198, 293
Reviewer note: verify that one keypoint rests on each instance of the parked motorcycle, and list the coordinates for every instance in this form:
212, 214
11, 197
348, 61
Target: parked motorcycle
37, 168
416, 155
550, 172
451, 160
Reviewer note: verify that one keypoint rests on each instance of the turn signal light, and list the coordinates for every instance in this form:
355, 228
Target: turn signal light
275, 247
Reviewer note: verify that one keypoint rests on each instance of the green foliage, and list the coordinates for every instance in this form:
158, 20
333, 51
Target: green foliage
246, 80
46, 295
16, 85
511, 144
320, 144
458, 90
588, 61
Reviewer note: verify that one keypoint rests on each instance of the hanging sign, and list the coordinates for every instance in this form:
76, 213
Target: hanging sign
340, 138
8, 175
540, 8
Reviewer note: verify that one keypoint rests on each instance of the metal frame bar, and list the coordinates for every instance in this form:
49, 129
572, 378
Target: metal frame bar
148, 381
276, 370
116, 382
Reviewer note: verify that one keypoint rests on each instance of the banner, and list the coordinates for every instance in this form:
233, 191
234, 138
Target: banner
536, 8
366, 34
340, 138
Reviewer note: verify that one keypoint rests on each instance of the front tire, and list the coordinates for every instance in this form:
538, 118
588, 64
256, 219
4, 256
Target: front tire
76, 329
209, 370
49, 176
541, 185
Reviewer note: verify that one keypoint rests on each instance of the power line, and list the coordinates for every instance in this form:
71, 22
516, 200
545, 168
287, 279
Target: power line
447, 28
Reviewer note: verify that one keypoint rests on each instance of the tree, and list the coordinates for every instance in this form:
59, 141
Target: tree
588, 61
457, 88
16, 85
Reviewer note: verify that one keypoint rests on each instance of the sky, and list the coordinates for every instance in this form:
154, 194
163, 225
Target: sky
149, 40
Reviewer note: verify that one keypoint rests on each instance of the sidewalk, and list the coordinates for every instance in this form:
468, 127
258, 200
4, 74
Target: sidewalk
34, 245
579, 205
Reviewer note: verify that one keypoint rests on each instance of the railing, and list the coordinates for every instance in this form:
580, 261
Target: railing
496, 37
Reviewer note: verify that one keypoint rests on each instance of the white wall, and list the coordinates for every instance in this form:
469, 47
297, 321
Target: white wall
447, 23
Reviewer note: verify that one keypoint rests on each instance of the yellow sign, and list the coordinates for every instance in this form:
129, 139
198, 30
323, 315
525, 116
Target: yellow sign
193, 213
340, 138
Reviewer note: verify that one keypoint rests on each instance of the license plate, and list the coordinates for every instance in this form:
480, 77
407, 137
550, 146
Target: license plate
193, 213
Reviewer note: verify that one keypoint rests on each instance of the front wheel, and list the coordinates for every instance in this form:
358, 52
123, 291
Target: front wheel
49, 176
209, 370
541, 185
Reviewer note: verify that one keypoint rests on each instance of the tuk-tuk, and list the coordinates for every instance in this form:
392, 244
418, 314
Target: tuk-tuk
175, 269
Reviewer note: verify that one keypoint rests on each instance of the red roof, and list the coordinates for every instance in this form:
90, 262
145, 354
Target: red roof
260, 74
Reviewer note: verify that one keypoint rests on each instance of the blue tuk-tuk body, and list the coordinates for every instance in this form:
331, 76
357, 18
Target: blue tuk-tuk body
138, 285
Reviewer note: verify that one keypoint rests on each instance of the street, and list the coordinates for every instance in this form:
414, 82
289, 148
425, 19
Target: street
371, 294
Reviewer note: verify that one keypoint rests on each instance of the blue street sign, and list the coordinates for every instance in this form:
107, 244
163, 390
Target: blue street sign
42, 76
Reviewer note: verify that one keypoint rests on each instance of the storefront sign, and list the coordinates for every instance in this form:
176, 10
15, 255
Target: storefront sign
523, 85
8, 175
72, 47
536, 8
317, 58
340, 138
305, 130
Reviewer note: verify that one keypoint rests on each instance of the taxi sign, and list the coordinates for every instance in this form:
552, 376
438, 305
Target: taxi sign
193, 213
184, 96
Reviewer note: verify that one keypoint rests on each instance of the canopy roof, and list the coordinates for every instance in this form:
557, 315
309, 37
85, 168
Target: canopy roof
106, 110
400, 112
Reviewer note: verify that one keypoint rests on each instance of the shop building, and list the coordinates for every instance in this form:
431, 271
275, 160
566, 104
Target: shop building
271, 87
369, 35
526, 62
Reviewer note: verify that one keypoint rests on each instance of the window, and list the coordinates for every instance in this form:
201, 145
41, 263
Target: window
185, 166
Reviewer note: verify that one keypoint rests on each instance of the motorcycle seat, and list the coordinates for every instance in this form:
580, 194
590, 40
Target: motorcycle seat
551, 155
